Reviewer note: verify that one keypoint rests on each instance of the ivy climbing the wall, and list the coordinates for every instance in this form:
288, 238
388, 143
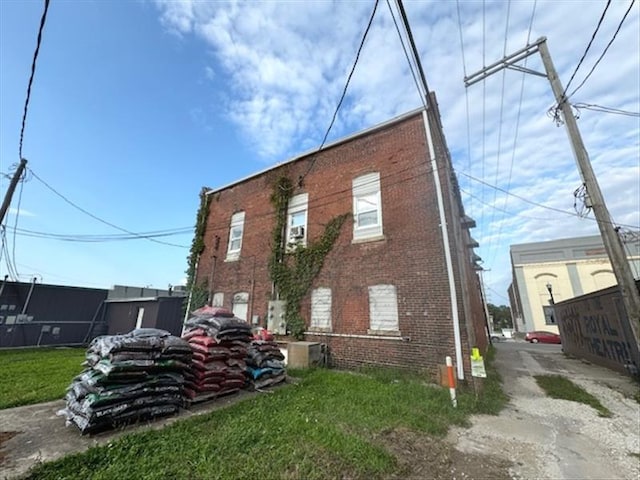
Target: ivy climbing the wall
198, 292
294, 273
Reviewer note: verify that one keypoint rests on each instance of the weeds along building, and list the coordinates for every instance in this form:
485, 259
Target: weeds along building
346, 247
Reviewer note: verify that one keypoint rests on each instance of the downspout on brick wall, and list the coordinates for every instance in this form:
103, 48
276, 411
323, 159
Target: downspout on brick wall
447, 252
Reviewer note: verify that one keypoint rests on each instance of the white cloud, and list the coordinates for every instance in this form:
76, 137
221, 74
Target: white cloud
284, 66
21, 212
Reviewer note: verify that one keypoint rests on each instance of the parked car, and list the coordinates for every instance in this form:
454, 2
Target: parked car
542, 337
497, 337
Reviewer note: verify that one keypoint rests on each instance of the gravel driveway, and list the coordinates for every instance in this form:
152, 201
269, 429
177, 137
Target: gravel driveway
549, 438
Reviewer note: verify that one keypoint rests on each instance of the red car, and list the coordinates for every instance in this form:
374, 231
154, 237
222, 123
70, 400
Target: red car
542, 337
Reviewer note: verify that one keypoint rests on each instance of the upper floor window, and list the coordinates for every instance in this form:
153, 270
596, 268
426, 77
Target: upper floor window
235, 236
367, 206
297, 219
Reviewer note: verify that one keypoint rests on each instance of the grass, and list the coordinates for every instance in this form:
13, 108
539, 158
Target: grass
34, 375
561, 387
331, 424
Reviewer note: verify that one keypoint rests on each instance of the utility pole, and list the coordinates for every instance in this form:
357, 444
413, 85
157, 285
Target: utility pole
610, 238
12, 188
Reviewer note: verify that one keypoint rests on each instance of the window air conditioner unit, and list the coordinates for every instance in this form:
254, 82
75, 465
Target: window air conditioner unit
296, 233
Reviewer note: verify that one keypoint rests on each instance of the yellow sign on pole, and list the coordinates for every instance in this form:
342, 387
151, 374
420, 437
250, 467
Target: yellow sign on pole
477, 364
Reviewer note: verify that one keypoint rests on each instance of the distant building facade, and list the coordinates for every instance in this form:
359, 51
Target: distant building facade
570, 267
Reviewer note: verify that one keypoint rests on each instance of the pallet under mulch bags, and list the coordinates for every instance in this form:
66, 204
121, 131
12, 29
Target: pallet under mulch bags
131, 377
219, 342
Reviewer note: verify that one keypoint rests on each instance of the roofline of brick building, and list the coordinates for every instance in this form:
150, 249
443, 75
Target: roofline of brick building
335, 143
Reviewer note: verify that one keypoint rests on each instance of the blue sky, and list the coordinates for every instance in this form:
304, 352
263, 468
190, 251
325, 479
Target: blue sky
137, 105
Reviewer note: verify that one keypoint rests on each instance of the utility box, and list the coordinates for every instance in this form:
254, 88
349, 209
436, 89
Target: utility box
275, 317
303, 354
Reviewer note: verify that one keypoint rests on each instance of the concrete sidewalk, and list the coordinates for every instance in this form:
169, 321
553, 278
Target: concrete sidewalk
39, 435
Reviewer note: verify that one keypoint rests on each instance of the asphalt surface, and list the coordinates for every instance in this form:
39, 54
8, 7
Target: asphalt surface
550, 438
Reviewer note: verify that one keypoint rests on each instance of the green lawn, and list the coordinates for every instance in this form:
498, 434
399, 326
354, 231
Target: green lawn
561, 387
329, 425
34, 375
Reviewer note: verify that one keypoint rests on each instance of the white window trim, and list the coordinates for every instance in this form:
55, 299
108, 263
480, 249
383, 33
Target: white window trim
237, 220
297, 203
365, 185
374, 295
325, 293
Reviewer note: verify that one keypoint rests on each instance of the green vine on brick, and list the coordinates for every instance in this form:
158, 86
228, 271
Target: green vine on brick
293, 274
198, 291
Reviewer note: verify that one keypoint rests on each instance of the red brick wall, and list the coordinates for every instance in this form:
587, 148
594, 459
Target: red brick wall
411, 256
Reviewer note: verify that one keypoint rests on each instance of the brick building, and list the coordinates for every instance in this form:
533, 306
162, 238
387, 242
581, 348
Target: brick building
389, 291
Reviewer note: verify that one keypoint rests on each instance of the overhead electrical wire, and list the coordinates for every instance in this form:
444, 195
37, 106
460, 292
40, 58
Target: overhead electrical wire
500, 122
407, 56
517, 130
15, 223
33, 72
95, 217
593, 37
531, 202
466, 96
344, 90
602, 109
96, 238
603, 52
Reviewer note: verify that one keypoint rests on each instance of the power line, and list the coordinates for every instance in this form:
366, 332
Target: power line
406, 54
593, 37
604, 51
92, 238
98, 218
344, 90
600, 108
15, 223
499, 152
531, 202
517, 129
466, 91
33, 71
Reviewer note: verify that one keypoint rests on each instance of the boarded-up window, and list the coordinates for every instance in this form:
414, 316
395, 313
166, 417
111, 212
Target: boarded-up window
383, 308
218, 299
321, 308
240, 305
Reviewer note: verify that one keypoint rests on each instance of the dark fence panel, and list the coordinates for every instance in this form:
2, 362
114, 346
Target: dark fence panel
42, 314
595, 327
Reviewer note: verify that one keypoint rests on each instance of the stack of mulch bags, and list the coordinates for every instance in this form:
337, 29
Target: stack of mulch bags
219, 342
265, 364
131, 377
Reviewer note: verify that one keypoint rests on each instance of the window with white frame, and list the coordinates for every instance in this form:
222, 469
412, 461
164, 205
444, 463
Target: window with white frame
297, 220
235, 236
367, 207
383, 309
321, 309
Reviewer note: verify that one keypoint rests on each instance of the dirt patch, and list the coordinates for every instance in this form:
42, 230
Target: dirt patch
5, 437
423, 457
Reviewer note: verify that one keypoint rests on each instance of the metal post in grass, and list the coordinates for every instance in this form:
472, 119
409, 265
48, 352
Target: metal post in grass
452, 382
